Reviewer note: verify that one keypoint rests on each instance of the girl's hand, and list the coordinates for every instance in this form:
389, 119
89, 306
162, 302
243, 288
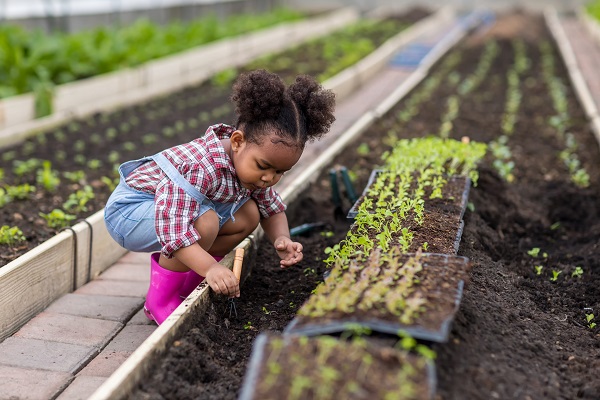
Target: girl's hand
222, 280
290, 252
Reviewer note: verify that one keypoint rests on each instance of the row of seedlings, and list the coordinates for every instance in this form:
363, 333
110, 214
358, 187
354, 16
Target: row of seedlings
382, 279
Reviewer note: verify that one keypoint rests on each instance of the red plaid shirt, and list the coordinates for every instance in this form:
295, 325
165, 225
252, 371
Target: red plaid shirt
204, 163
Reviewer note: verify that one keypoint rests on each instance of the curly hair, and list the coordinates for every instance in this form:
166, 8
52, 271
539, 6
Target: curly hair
301, 112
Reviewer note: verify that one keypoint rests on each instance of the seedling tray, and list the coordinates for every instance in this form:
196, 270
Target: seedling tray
456, 202
437, 288
326, 368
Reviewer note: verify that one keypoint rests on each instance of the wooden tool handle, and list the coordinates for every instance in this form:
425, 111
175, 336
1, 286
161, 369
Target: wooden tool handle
237, 262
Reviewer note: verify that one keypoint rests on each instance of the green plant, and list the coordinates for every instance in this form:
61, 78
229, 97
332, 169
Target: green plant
77, 201
590, 321
363, 149
555, 275
248, 326
20, 192
47, 177
57, 219
11, 235
538, 269
534, 252
4, 198
577, 273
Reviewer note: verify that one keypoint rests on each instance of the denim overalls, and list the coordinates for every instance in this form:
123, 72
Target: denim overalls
129, 214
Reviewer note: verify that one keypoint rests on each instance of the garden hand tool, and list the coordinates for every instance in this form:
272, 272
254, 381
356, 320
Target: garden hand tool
305, 228
336, 199
348, 185
237, 271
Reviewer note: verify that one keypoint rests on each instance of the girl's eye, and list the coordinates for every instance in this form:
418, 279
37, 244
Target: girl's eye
261, 167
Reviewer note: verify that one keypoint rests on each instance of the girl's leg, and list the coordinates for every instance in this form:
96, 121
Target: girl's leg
232, 233
207, 226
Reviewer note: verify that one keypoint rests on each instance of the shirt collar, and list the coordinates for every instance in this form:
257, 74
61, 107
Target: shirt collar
212, 138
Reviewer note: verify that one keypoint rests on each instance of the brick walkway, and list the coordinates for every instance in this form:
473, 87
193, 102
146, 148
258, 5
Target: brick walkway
68, 351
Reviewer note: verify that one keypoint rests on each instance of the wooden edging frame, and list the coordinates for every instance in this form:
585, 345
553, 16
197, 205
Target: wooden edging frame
577, 79
120, 384
158, 77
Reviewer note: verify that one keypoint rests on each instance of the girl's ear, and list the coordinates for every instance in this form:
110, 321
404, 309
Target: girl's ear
237, 139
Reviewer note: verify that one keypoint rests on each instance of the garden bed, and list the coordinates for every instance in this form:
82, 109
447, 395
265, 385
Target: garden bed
517, 334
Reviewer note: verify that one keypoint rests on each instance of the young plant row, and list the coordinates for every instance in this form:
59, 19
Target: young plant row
499, 147
561, 121
466, 86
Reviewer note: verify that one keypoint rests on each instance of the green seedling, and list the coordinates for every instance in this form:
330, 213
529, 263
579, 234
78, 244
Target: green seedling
267, 312
590, 321
363, 149
4, 198
555, 226
555, 275
20, 192
248, 326
534, 252
327, 234
538, 269
577, 273
11, 235
47, 177
57, 219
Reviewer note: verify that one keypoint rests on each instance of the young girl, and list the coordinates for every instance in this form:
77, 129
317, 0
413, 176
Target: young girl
195, 202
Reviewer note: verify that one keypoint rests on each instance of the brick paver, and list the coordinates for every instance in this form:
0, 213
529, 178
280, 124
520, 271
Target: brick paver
44, 355
115, 288
89, 332
16, 383
82, 388
112, 308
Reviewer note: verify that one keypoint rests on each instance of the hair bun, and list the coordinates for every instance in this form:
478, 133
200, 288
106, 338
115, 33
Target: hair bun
316, 104
258, 95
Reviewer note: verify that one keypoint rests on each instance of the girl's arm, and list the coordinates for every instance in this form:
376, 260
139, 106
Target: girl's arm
277, 230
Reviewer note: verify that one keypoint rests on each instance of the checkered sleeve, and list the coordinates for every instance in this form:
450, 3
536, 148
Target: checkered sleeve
269, 202
175, 213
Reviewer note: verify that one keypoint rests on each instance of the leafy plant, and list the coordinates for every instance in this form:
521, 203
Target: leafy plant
77, 201
11, 235
555, 275
534, 252
47, 177
57, 219
589, 318
538, 269
577, 273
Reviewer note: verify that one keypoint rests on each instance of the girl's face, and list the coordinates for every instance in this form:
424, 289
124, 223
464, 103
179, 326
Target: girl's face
261, 165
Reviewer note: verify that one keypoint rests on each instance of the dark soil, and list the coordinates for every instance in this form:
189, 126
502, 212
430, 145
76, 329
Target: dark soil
517, 335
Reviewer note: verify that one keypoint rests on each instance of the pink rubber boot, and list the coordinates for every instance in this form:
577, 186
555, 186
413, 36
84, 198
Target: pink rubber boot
192, 281
163, 295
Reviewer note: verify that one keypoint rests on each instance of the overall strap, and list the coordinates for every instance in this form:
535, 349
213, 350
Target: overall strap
170, 170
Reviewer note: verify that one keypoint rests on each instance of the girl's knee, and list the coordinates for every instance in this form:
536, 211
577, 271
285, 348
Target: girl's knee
251, 213
207, 225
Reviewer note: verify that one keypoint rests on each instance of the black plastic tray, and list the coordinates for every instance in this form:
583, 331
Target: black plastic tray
376, 325
257, 356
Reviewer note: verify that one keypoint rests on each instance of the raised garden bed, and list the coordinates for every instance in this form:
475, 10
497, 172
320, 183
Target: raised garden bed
517, 334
